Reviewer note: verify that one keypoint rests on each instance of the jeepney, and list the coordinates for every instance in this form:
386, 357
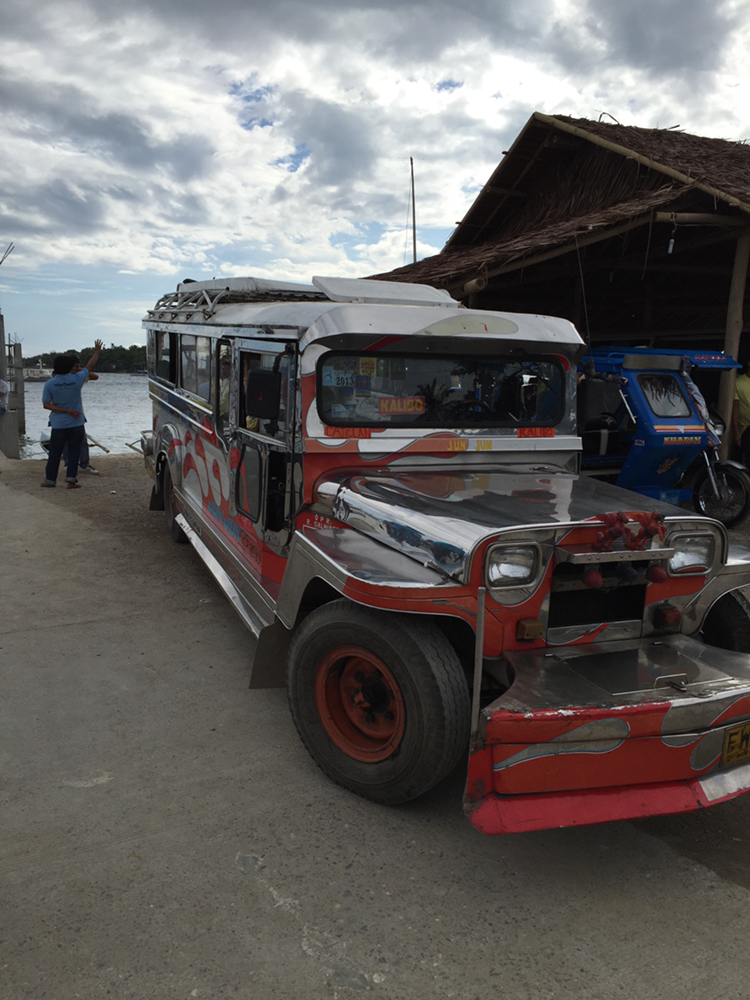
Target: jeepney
386, 487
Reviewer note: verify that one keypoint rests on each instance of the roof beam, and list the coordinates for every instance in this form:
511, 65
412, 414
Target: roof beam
508, 192
699, 219
559, 251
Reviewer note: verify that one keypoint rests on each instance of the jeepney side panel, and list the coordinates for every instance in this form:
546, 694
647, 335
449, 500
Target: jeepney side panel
201, 465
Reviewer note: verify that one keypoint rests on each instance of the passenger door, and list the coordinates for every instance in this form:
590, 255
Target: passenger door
264, 438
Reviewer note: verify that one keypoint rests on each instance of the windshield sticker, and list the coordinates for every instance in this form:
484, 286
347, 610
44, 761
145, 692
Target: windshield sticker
340, 411
401, 404
535, 432
337, 378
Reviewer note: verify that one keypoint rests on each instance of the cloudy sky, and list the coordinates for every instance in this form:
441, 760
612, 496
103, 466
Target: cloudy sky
146, 142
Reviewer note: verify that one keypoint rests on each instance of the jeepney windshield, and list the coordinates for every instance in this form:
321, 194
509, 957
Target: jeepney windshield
439, 391
664, 395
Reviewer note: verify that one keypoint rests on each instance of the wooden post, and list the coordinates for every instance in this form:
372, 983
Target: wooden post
3, 357
732, 334
19, 387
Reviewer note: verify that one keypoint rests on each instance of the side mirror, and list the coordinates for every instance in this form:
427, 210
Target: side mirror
263, 394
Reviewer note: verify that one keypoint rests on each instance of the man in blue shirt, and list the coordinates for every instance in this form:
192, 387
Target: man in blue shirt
62, 397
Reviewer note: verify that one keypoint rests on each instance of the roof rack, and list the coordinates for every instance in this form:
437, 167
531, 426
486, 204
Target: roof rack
203, 297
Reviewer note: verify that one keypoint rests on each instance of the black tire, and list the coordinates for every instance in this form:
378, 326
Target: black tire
727, 624
734, 504
379, 700
170, 508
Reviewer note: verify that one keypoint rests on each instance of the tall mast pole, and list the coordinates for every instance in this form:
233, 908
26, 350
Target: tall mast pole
413, 211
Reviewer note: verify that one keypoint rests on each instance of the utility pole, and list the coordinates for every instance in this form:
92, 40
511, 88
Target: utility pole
3, 356
9, 423
413, 211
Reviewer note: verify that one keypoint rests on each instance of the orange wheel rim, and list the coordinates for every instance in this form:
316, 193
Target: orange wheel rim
360, 704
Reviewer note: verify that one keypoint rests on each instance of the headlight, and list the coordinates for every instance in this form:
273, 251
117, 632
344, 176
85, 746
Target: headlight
693, 554
512, 565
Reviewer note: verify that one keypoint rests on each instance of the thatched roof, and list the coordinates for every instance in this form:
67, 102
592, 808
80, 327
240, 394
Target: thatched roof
717, 165
567, 182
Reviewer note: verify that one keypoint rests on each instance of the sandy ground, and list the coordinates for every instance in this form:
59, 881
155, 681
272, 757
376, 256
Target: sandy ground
165, 835
118, 495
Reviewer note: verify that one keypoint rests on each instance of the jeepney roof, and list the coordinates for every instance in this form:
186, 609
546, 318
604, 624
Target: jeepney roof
423, 322
332, 308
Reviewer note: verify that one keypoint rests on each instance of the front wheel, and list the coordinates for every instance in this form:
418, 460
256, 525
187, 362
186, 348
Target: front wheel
732, 505
379, 700
170, 508
727, 624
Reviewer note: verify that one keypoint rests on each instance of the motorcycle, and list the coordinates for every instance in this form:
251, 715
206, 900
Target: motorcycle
645, 426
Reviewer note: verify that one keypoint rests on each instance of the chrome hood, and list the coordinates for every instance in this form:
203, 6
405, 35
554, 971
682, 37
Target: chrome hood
439, 518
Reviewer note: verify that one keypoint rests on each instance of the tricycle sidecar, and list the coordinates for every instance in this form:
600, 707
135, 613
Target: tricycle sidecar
645, 426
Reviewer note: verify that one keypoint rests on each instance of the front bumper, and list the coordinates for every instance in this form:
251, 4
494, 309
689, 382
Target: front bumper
523, 813
611, 731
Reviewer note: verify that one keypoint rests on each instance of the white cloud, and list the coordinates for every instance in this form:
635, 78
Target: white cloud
161, 139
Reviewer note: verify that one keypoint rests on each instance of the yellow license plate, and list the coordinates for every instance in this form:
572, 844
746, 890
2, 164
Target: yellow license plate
736, 745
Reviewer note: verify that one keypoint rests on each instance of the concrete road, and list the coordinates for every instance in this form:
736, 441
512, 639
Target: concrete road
165, 835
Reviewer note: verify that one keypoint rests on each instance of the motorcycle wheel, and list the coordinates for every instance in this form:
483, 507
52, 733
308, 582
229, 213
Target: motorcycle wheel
733, 504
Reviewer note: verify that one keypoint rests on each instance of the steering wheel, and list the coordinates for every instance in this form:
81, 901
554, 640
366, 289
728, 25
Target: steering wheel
468, 407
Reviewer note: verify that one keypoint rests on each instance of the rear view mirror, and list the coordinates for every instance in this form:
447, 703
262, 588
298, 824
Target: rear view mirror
263, 394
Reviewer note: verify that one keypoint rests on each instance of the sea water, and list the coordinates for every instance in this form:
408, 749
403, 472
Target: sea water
117, 409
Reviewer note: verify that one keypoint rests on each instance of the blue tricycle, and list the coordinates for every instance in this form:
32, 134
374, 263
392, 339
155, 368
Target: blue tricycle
644, 425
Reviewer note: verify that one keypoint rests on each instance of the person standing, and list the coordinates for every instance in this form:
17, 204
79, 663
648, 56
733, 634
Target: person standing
62, 397
84, 464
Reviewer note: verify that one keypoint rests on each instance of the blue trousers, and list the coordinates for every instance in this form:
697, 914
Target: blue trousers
58, 438
83, 459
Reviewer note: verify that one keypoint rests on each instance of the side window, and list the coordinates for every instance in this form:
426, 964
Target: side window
151, 352
188, 364
224, 387
248, 483
204, 366
164, 353
196, 365
277, 425
251, 362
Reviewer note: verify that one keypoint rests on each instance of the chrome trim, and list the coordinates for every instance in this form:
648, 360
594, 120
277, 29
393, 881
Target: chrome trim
724, 783
478, 663
244, 609
626, 555
339, 556
529, 584
674, 538
607, 675
439, 516
562, 634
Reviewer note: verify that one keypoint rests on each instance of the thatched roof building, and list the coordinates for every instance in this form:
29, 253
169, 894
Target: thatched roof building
638, 235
